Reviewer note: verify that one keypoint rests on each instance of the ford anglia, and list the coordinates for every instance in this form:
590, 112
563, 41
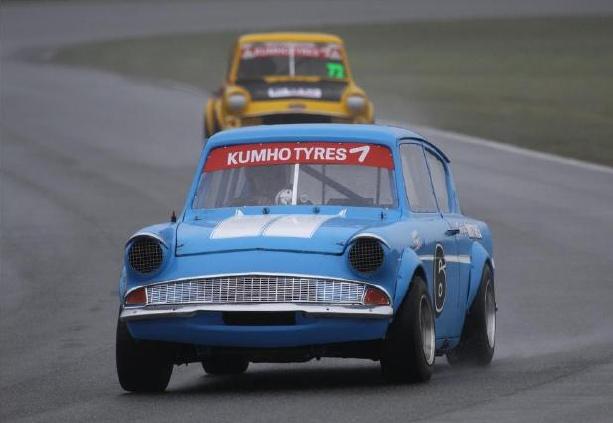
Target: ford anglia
306, 241
287, 77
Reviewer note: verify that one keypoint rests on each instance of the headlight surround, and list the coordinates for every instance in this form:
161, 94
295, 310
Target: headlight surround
356, 103
236, 102
145, 255
366, 255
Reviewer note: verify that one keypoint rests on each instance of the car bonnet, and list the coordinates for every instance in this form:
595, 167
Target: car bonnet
310, 233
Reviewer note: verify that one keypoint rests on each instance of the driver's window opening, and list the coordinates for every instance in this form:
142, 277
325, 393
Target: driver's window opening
288, 58
297, 184
291, 174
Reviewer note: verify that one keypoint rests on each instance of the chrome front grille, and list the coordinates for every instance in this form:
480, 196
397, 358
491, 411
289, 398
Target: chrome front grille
256, 289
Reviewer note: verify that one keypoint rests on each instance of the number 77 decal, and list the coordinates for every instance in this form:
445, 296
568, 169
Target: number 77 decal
335, 70
363, 150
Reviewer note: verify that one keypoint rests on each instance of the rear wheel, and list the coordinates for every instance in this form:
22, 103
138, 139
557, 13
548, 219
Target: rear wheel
479, 334
409, 349
142, 366
219, 365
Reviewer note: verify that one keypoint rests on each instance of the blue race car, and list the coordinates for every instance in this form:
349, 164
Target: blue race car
307, 241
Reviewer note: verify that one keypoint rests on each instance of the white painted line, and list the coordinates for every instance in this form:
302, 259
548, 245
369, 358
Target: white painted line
273, 225
509, 148
242, 226
296, 226
295, 185
448, 258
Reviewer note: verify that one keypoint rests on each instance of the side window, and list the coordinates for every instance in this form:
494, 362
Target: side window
439, 180
417, 179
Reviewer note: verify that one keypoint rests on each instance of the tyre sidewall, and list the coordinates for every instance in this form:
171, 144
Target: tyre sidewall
474, 347
403, 356
141, 366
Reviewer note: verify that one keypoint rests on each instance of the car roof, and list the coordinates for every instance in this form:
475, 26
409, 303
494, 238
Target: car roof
381, 134
290, 36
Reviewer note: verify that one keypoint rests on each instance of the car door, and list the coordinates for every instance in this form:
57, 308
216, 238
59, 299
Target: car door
456, 246
437, 243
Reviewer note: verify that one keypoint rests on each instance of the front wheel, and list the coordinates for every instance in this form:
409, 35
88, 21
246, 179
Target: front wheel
210, 125
479, 334
142, 366
409, 348
218, 365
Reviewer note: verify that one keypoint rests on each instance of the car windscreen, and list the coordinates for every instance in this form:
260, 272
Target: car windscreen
307, 173
258, 60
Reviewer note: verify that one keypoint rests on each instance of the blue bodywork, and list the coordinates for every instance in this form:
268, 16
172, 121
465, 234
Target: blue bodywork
409, 241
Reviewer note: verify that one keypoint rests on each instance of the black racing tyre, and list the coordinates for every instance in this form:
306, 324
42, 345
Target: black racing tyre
142, 366
478, 340
409, 347
220, 365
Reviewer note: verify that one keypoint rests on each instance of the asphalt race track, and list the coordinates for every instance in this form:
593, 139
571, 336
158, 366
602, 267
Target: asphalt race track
88, 158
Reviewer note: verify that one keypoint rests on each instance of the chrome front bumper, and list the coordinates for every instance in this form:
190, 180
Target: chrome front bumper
189, 310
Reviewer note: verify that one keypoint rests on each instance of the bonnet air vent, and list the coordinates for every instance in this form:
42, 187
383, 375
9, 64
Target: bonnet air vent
145, 255
366, 255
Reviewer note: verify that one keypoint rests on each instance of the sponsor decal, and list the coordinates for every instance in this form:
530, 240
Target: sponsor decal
284, 92
249, 155
416, 241
285, 49
440, 279
470, 230
331, 89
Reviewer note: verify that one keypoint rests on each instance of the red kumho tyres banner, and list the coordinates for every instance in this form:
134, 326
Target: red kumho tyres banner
249, 155
285, 49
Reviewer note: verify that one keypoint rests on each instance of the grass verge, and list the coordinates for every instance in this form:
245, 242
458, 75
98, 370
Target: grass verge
544, 84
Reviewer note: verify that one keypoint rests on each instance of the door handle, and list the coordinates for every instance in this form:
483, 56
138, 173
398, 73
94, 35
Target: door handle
452, 232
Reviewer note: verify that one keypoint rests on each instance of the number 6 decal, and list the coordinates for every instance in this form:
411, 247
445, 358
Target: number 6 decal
440, 279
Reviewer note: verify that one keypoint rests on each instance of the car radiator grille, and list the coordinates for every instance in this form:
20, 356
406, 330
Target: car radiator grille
256, 289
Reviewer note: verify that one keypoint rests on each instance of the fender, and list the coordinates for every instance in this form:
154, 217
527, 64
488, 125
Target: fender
165, 233
218, 114
478, 257
123, 284
409, 264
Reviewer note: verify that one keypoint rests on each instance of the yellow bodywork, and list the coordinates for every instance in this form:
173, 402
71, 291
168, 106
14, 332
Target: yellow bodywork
219, 115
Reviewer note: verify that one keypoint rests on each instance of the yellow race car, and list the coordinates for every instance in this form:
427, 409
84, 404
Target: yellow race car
287, 77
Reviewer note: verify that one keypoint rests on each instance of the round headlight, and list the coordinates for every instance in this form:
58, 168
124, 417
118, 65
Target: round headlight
236, 102
145, 255
356, 103
366, 255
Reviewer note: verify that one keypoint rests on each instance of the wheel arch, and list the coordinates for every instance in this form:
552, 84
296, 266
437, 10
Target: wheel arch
410, 265
480, 258
209, 117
